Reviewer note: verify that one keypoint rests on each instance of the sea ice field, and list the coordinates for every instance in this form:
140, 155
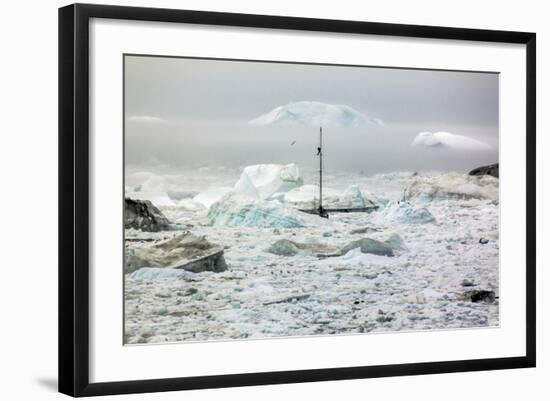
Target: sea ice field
426, 259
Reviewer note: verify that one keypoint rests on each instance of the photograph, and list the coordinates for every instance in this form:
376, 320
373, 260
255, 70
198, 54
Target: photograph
270, 199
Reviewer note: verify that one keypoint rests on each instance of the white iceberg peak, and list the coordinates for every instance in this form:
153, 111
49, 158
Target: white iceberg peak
316, 114
265, 180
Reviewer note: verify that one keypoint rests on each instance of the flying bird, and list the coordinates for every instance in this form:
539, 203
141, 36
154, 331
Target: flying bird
293, 142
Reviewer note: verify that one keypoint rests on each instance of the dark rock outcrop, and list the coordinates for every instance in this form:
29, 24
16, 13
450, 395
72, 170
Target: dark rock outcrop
185, 251
143, 215
479, 296
491, 169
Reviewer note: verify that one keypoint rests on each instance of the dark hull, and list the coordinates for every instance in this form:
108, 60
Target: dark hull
367, 209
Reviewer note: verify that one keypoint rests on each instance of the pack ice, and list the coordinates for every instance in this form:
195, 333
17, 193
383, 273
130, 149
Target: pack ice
452, 185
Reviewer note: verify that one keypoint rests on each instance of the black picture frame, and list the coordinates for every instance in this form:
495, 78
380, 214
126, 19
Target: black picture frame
74, 198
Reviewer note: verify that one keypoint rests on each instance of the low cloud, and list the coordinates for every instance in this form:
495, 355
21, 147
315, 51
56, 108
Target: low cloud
448, 141
146, 119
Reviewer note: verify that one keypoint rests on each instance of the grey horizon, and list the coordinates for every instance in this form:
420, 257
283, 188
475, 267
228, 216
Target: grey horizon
183, 113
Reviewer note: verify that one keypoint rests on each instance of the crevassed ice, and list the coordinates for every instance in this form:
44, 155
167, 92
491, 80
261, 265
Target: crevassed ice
404, 213
236, 209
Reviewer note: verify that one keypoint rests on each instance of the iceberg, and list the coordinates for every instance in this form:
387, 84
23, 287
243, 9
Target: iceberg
352, 198
403, 213
236, 209
265, 180
211, 195
316, 114
246, 187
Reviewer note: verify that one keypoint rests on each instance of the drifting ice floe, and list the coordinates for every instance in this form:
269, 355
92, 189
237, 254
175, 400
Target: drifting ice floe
154, 273
403, 213
286, 247
185, 251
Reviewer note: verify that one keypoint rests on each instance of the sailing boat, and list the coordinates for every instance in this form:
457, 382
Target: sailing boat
322, 211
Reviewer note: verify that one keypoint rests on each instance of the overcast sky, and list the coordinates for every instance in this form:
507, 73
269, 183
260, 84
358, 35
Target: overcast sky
184, 113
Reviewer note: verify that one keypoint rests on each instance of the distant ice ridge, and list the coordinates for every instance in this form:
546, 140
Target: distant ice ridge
448, 140
163, 190
453, 186
403, 213
236, 209
316, 114
306, 196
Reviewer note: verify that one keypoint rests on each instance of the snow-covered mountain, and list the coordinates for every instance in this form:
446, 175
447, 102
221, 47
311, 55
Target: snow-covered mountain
316, 114
448, 140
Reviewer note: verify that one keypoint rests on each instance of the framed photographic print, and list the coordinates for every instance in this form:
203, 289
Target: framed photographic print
250, 199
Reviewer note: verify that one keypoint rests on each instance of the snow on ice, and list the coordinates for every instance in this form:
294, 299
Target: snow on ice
307, 196
434, 236
155, 273
404, 213
452, 185
211, 195
265, 180
236, 209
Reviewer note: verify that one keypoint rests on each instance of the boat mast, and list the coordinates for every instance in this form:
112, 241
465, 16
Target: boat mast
320, 170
